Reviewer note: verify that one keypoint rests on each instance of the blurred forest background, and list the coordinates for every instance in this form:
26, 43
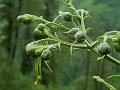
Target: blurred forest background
70, 72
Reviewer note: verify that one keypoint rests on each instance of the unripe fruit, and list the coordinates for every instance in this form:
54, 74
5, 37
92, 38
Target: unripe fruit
41, 27
67, 16
39, 34
46, 55
104, 48
30, 50
82, 10
80, 36
24, 19
117, 47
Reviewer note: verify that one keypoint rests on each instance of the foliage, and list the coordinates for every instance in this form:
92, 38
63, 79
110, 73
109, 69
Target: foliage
41, 49
16, 68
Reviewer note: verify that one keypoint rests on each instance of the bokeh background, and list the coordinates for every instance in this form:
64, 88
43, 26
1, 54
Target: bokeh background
70, 72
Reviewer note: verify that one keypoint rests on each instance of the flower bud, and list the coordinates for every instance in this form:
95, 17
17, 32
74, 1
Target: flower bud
104, 48
41, 27
30, 49
80, 36
26, 19
67, 16
39, 34
46, 55
82, 10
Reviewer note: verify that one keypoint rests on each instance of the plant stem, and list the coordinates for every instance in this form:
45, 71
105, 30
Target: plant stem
113, 60
83, 46
40, 69
100, 80
62, 27
34, 18
36, 68
108, 57
56, 19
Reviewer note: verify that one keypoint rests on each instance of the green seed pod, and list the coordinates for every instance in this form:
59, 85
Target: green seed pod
39, 34
82, 10
46, 55
117, 47
30, 49
26, 19
41, 27
104, 48
80, 36
67, 16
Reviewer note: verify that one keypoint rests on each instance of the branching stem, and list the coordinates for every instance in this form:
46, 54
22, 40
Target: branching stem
100, 80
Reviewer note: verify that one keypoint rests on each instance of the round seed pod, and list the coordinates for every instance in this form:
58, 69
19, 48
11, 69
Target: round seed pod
46, 55
41, 27
39, 34
80, 36
104, 48
117, 47
67, 16
30, 50
82, 10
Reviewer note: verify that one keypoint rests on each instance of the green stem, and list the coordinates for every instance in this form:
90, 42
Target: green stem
41, 20
100, 80
48, 66
114, 76
74, 23
108, 57
56, 19
64, 43
82, 20
113, 60
36, 68
40, 69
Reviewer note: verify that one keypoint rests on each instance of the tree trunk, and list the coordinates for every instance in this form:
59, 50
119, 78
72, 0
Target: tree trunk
14, 47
